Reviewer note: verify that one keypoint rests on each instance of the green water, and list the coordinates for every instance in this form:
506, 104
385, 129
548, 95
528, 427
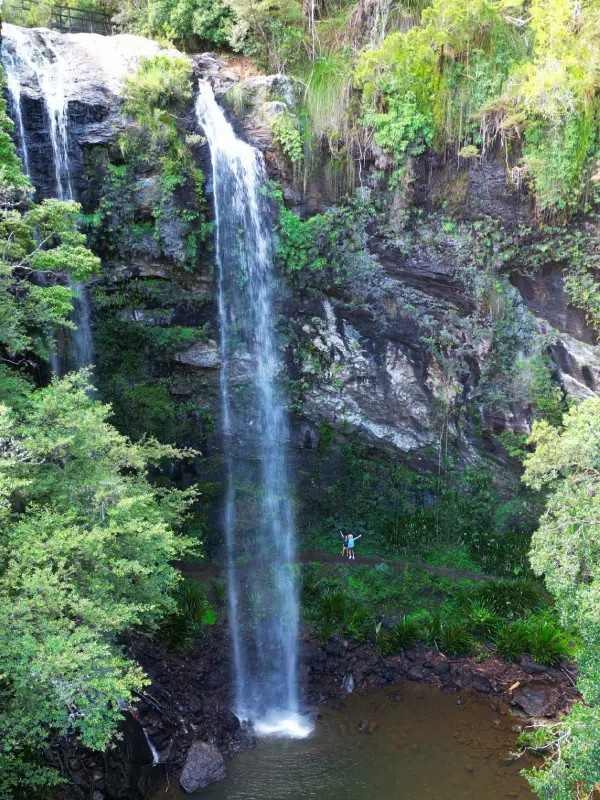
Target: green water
426, 747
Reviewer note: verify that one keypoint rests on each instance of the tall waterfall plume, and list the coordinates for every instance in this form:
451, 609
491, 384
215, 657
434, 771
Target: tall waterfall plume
258, 516
38, 54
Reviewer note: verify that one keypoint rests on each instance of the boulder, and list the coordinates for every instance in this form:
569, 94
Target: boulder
537, 701
442, 668
201, 354
482, 684
533, 668
414, 674
204, 765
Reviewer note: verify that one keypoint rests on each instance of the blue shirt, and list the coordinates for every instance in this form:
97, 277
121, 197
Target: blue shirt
351, 541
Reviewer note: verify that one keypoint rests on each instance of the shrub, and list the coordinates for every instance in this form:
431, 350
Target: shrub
287, 136
511, 640
357, 622
193, 611
433, 630
547, 643
455, 639
310, 585
332, 605
482, 622
405, 634
510, 598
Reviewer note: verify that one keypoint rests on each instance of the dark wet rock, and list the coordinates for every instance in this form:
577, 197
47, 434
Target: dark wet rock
411, 655
204, 765
450, 687
537, 700
442, 668
415, 674
334, 649
228, 722
482, 684
534, 668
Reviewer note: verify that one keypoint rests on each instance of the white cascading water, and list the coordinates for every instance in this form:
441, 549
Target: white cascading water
49, 68
13, 84
258, 518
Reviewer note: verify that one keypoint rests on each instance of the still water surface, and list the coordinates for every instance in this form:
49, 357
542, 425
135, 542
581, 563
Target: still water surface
426, 747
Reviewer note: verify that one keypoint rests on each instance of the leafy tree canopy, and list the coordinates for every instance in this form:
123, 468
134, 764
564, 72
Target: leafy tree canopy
84, 556
566, 550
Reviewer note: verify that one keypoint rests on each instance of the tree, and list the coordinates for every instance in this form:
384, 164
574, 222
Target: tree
566, 550
271, 31
39, 246
85, 540
85, 550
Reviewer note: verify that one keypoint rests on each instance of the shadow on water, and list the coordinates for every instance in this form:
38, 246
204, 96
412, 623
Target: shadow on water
424, 747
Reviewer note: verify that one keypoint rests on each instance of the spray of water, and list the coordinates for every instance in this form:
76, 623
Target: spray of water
258, 518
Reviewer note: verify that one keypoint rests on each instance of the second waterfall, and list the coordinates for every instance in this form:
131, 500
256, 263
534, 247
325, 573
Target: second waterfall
258, 515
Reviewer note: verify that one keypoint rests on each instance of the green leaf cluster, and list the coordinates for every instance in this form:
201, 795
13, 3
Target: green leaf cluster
566, 550
85, 548
287, 136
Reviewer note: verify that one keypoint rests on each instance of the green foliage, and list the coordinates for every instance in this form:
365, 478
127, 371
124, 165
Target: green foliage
483, 622
331, 250
471, 72
403, 636
510, 598
85, 554
158, 163
45, 238
187, 21
332, 604
270, 31
421, 516
565, 549
455, 640
511, 640
160, 86
547, 643
220, 590
193, 612
132, 358
584, 289
287, 136
422, 87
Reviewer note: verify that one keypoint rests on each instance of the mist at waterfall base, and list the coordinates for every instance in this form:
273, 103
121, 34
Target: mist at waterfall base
258, 514
40, 57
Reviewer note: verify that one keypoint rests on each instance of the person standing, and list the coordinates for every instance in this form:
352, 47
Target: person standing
345, 544
350, 545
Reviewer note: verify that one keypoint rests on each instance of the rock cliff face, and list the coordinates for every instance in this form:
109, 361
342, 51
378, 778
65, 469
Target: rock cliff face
364, 368
378, 377
87, 69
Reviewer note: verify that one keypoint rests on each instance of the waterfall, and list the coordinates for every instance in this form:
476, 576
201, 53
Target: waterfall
40, 56
258, 516
13, 84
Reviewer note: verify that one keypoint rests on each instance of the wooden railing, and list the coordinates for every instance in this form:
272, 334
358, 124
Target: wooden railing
62, 18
